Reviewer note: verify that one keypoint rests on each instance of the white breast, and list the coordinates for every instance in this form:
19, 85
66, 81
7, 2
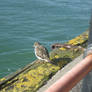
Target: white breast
38, 56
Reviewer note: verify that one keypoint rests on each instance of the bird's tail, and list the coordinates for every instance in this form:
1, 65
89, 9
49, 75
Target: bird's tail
49, 61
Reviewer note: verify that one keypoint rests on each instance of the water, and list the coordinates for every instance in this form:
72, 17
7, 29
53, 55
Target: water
22, 22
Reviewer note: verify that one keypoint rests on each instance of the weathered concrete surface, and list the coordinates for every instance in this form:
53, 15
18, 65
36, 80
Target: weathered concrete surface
61, 72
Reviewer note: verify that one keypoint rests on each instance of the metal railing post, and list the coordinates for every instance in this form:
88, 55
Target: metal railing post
87, 81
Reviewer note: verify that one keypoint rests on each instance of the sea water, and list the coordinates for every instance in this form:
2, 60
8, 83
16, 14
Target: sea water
23, 22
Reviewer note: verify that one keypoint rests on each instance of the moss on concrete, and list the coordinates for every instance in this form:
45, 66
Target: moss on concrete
62, 57
80, 40
32, 77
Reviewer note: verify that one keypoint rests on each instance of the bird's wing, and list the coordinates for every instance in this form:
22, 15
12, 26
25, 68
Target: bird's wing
46, 53
42, 52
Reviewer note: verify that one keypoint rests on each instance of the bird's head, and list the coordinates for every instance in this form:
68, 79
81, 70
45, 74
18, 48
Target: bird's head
36, 44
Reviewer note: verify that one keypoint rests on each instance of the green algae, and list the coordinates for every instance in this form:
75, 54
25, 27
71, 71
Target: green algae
32, 79
80, 40
62, 57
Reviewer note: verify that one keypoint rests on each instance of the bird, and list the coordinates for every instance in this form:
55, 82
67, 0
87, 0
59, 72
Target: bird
41, 52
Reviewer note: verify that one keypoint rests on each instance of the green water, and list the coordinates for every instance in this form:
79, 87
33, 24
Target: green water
22, 22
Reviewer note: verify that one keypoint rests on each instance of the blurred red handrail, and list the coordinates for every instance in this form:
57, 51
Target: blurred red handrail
71, 78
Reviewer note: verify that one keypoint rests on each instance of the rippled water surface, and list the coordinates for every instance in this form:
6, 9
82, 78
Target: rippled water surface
22, 22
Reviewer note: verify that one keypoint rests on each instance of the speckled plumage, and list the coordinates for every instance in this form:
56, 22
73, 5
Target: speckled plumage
41, 52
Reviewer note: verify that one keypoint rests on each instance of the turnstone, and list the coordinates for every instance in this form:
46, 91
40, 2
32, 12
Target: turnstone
60, 45
41, 52
67, 46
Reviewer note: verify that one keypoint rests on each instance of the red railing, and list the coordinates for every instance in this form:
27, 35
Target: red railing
71, 78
